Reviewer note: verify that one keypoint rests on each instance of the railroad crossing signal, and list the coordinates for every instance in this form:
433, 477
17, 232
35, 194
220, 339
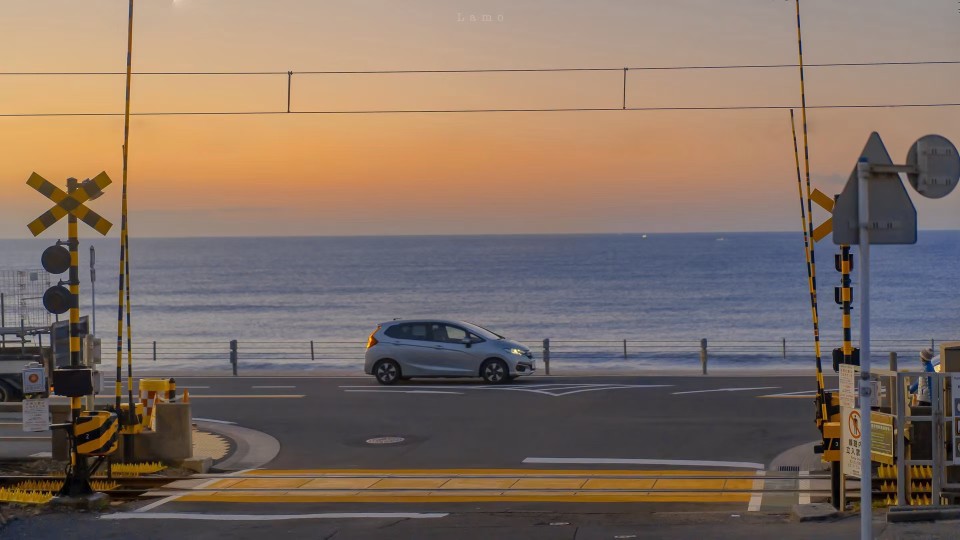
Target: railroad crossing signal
70, 204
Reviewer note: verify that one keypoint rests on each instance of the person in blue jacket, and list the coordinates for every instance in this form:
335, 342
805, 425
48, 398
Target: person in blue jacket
922, 387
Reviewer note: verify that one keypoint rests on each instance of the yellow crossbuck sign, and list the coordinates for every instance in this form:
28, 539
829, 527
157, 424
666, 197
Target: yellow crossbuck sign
70, 203
826, 203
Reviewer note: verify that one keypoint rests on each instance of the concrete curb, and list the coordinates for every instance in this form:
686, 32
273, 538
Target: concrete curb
254, 449
912, 514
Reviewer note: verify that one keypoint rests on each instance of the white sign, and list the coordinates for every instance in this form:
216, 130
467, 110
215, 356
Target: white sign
36, 415
851, 428
848, 386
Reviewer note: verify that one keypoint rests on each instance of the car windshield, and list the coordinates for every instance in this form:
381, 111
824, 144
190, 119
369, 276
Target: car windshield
483, 332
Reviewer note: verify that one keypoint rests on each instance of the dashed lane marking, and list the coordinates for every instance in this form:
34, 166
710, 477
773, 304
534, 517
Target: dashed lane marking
726, 390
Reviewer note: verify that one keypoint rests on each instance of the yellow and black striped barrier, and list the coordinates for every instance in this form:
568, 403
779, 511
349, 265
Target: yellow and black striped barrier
96, 433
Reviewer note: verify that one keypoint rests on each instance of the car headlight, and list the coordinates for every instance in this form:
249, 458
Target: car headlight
518, 352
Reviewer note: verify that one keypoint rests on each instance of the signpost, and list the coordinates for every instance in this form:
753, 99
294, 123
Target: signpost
874, 207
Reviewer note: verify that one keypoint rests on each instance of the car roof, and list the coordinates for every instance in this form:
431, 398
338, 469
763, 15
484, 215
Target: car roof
473, 328
406, 321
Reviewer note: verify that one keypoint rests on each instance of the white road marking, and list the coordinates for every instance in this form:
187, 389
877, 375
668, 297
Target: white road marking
756, 499
552, 390
726, 390
165, 500
632, 461
273, 387
406, 391
276, 517
811, 393
804, 487
215, 421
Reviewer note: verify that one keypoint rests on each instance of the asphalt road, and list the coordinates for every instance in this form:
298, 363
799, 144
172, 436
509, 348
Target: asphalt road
645, 422
324, 422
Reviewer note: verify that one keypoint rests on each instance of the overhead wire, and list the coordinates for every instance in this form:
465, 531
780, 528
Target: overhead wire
495, 70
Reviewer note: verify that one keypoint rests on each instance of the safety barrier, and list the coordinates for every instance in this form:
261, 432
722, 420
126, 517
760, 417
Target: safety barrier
552, 354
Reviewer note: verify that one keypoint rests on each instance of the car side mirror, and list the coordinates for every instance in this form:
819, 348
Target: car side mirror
467, 341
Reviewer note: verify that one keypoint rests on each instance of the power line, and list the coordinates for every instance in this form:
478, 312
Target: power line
492, 70
500, 110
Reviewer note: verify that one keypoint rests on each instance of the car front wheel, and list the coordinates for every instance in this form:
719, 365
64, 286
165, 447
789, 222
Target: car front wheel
494, 372
387, 372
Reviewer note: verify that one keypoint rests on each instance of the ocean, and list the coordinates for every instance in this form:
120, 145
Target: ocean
746, 293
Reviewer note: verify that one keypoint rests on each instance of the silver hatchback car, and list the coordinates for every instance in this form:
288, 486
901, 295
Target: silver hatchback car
403, 349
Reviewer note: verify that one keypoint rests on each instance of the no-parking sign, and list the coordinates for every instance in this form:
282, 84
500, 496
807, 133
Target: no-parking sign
34, 379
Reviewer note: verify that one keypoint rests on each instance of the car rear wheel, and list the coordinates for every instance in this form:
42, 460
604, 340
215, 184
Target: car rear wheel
387, 372
494, 371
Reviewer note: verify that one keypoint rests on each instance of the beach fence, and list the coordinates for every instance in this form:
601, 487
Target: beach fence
554, 356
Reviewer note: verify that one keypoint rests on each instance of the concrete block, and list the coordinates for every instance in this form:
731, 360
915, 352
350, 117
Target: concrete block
198, 465
172, 442
814, 512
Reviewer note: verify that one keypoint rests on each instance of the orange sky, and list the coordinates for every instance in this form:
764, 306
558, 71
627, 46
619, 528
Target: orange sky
463, 173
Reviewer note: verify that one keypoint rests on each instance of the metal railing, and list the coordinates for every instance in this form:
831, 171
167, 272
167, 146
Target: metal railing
552, 354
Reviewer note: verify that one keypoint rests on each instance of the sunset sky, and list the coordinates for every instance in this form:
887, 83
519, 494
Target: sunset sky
463, 173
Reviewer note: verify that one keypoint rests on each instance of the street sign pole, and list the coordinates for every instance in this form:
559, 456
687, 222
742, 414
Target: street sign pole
866, 484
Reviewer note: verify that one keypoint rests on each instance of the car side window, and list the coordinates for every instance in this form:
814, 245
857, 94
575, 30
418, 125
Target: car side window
408, 331
438, 332
455, 334
396, 331
418, 331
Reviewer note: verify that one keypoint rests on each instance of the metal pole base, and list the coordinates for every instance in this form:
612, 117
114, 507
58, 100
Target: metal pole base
92, 501
835, 485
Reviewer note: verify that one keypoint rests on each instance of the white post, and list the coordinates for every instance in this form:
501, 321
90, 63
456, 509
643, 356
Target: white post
865, 391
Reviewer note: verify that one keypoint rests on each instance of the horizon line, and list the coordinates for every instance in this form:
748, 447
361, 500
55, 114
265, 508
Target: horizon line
458, 235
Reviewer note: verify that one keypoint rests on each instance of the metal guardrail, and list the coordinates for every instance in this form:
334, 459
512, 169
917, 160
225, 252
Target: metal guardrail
552, 354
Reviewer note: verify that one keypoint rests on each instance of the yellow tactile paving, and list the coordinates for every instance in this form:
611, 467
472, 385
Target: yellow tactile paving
410, 483
549, 483
478, 485
224, 483
617, 483
271, 483
340, 483
206, 444
674, 483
